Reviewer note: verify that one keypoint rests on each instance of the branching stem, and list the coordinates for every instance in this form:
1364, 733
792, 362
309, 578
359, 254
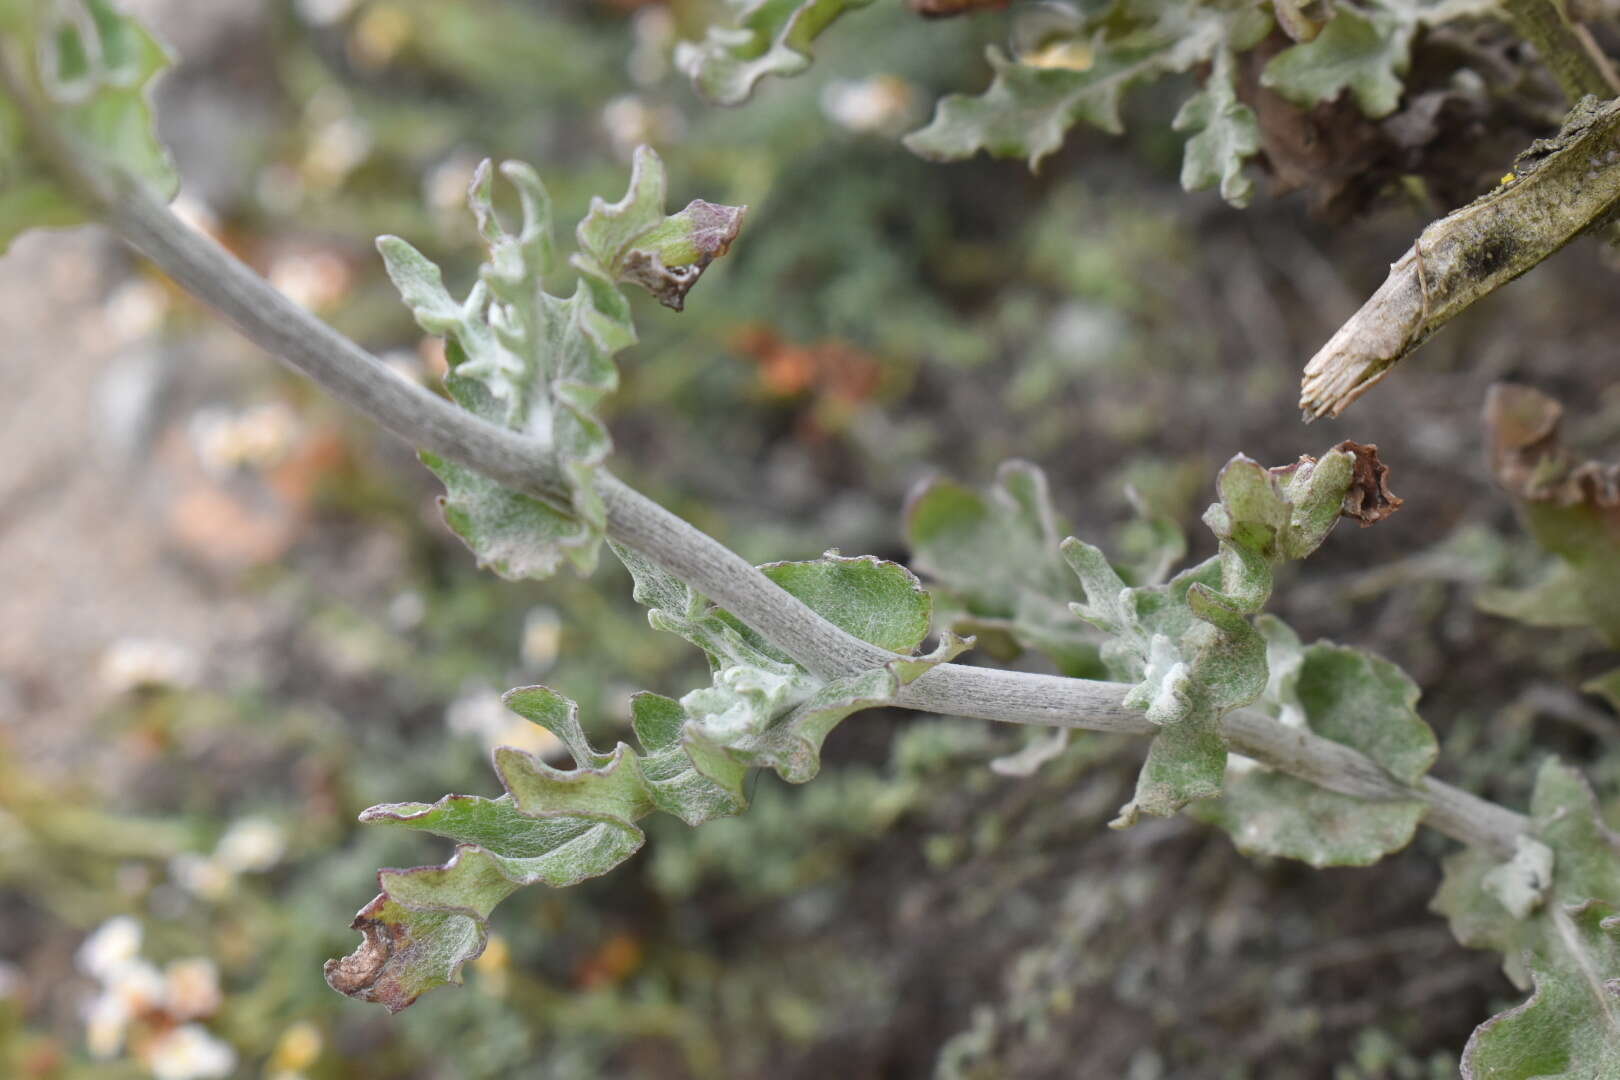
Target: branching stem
281, 327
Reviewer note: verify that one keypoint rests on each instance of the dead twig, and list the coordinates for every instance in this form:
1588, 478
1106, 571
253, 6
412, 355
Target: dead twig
1558, 188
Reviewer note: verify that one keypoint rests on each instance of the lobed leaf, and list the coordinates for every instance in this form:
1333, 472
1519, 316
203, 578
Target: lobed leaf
1366, 54
1032, 102
558, 827
1027, 110
1188, 644
542, 364
767, 37
92, 68
994, 556
1225, 134
1348, 696
1554, 913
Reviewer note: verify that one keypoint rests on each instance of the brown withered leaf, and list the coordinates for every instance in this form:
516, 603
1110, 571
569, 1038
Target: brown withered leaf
1570, 506
692, 239
1530, 462
1369, 499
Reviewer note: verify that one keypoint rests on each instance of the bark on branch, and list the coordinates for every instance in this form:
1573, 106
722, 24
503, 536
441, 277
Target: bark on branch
1558, 188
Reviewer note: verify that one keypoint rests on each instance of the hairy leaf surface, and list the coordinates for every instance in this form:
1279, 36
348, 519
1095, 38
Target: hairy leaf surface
993, 555
1188, 644
91, 67
1030, 104
1554, 914
1351, 697
558, 827
767, 37
541, 364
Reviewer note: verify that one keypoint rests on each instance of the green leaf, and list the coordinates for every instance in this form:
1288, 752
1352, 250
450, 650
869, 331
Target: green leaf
1188, 644
1027, 110
633, 242
541, 364
91, 70
560, 826
553, 827
1029, 107
1351, 697
1561, 938
767, 37
1225, 135
994, 556
1557, 599
1366, 54
762, 708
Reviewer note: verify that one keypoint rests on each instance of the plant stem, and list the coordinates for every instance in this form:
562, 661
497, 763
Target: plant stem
1567, 49
267, 318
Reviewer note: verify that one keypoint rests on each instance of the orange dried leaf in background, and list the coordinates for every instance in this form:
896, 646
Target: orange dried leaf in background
615, 960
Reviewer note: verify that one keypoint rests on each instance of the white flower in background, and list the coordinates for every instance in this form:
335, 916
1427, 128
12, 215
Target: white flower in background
114, 944
257, 437
653, 29
128, 991
542, 636
135, 309
479, 713
131, 664
406, 610
11, 981
339, 141
251, 845
189, 1052
313, 280
630, 121
444, 188
105, 1022
191, 988
323, 12
202, 876
134, 991
879, 105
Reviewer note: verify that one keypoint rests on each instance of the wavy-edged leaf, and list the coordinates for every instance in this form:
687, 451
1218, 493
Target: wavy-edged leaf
1027, 110
553, 826
560, 826
1366, 54
1030, 104
766, 37
92, 68
1561, 940
994, 555
1225, 134
1351, 697
541, 364
1188, 644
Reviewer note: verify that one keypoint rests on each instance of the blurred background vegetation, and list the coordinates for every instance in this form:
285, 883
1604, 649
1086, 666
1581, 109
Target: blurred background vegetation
233, 618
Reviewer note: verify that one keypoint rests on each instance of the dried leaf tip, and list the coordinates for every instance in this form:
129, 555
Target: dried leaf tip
1369, 499
1530, 462
1561, 187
